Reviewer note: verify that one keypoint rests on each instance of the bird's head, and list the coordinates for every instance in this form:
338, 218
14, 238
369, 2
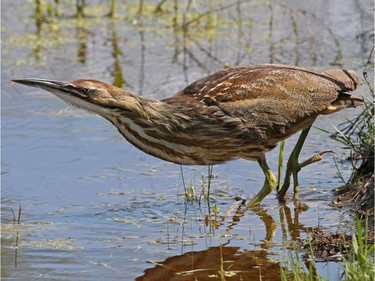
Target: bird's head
91, 95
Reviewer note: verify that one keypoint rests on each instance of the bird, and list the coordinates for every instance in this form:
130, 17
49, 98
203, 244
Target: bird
239, 112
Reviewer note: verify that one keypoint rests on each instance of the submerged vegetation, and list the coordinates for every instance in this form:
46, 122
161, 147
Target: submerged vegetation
193, 30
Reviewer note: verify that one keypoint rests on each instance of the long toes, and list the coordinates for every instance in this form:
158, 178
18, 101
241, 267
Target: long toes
326, 151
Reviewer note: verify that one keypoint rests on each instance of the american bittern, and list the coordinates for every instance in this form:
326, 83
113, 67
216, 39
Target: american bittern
234, 113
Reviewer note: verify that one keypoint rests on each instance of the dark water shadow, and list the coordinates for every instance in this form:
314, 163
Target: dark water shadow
222, 262
227, 262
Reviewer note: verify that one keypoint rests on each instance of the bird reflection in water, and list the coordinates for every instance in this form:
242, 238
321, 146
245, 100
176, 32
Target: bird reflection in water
227, 262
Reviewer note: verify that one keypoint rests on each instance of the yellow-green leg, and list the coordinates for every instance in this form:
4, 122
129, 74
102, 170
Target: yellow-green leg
293, 167
269, 183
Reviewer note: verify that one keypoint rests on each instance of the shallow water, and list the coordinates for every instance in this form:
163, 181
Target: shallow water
94, 207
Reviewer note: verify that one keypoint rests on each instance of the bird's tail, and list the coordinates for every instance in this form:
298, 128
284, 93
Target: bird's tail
346, 79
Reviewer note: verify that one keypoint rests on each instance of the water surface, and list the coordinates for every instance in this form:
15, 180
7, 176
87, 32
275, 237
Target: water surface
93, 206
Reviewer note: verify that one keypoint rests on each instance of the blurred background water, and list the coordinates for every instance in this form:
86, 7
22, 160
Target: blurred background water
96, 208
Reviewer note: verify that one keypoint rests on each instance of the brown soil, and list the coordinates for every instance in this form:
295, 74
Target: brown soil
330, 247
358, 193
357, 196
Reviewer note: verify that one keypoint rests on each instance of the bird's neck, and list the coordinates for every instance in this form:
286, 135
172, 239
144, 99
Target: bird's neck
150, 125
145, 111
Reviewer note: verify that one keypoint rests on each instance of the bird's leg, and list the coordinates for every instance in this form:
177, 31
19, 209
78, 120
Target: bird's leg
269, 183
293, 167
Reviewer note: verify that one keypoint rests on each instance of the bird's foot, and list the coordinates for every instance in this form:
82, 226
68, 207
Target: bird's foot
316, 158
254, 202
269, 184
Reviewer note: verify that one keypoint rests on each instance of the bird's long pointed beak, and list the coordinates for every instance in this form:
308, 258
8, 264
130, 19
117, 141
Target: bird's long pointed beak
33, 82
53, 86
44, 84
70, 92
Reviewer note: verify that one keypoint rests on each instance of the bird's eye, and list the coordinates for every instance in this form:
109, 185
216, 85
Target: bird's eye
85, 91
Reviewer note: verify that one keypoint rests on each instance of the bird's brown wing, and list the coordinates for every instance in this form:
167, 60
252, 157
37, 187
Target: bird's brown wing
278, 92
261, 104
